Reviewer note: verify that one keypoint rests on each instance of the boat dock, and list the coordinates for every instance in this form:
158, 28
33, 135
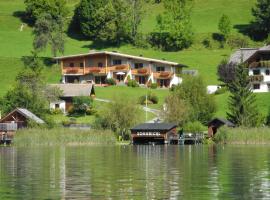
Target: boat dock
7, 131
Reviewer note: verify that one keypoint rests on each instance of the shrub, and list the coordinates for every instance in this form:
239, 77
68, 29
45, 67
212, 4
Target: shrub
207, 42
194, 127
153, 85
90, 111
132, 83
56, 111
151, 98
238, 41
221, 90
110, 81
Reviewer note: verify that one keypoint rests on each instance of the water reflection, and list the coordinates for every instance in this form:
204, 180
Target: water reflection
135, 172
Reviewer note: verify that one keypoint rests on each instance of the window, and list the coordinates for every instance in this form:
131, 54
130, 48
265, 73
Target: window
138, 65
160, 69
57, 106
100, 64
71, 64
256, 86
267, 72
256, 72
117, 62
81, 65
142, 80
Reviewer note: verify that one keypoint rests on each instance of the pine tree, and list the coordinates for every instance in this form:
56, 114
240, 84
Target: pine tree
261, 12
242, 102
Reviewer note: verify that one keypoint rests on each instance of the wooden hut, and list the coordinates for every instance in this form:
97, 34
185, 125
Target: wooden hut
216, 123
161, 133
21, 116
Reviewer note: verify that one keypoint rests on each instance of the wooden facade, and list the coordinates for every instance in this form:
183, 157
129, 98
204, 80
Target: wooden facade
96, 67
216, 123
160, 133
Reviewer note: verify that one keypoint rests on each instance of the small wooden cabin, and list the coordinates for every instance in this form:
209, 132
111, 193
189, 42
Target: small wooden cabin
161, 133
21, 116
216, 123
69, 91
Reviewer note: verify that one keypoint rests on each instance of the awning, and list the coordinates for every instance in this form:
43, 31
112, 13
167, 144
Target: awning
120, 73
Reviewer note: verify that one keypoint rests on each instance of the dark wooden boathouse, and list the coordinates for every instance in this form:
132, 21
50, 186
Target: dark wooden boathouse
158, 133
216, 123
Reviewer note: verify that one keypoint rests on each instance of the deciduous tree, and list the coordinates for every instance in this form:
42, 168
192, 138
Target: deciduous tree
224, 26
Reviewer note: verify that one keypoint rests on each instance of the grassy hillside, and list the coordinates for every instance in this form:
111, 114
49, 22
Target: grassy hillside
14, 44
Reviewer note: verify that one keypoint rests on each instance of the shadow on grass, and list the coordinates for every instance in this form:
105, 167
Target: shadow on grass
23, 17
47, 62
251, 31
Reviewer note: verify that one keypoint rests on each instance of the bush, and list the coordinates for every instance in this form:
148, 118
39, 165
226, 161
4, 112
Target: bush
207, 42
238, 41
194, 127
132, 83
110, 81
153, 85
90, 111
56, 111
221, 90
151, 99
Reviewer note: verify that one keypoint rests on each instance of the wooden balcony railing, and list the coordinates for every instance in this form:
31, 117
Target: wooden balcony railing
256, 78
119, 68
72, 70
163, 75
142, 71
95, 70
262, 63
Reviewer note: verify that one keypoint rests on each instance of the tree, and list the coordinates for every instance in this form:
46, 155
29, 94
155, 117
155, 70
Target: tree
174, 29
201, 106
55, 8
226, 71
136, 8
49, 31
82, 104
29, 89
242, 102
176, 110
120, 115
224, 26
261, 13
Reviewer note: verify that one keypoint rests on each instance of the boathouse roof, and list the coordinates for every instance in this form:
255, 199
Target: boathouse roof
26, 113
220, 121
75, 90
154, 126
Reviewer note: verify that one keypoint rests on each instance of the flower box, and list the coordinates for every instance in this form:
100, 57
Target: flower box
164, 74
142, 71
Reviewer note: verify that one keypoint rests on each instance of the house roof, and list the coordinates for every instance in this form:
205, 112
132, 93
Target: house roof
154, 127
121, 55
244, 54
221, 121
26, 113
74, 90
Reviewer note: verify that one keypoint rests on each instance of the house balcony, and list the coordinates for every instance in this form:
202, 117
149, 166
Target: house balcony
95, 70
72, 70
141, 72
256, 78
163, 75
262, 63
117, 68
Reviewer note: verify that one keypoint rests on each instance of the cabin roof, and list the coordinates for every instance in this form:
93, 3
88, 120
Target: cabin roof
93, 52
74, 90
221, 121
154, 127
244, 54
26, 113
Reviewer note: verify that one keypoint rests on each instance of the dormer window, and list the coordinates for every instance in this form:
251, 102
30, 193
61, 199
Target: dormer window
100, 64
138, 65
117, 62
71, 64
256, 72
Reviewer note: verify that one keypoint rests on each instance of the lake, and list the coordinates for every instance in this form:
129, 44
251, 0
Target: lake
135, 172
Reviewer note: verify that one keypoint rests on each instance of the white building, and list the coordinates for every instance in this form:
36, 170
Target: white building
258, 61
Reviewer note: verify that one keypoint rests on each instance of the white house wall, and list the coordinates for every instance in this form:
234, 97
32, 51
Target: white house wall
266, 80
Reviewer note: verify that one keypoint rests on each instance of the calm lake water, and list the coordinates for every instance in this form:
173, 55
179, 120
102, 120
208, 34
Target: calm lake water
135, 172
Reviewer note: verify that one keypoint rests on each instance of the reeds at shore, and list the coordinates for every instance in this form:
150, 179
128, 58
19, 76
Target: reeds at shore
242, 135
63, 136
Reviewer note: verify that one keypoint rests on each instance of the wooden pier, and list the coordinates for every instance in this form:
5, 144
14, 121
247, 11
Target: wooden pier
7, 131
191, 138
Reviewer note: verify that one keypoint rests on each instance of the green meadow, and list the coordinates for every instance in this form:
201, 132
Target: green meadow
16, 42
